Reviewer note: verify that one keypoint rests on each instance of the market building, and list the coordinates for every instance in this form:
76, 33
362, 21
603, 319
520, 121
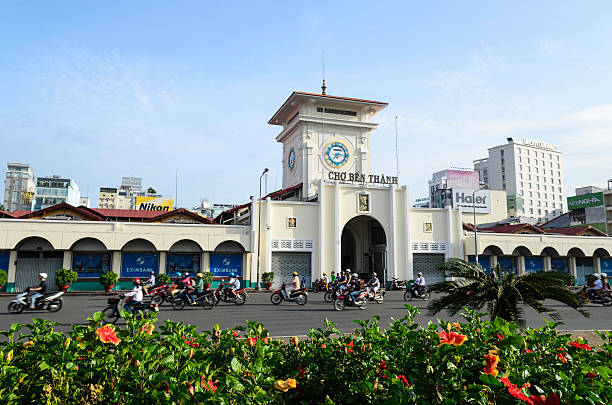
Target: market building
334, 211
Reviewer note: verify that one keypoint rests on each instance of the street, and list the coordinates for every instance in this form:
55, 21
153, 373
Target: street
288, 319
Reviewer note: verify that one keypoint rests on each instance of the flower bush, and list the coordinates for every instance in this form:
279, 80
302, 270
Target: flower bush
475, 361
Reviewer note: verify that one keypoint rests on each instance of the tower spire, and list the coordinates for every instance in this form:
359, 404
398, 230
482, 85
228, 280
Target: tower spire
323, 87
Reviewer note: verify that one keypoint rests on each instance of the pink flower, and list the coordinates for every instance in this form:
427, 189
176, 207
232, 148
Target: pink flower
107, 334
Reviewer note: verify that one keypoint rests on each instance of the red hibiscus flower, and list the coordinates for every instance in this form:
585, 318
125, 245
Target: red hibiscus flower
251, 341
515, 391
528, 351
301, 370
208, 385
191, 342
402, 378
236, 334
590, 375
350, 348
500, 337
107, 334
551, 399
491, 367
451, 338
579, 345
562, 357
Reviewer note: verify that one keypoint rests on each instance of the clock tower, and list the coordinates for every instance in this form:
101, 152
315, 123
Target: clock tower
324, 137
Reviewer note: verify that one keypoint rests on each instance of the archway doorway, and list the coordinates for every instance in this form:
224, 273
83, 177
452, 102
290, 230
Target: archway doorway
364, 247
36, 255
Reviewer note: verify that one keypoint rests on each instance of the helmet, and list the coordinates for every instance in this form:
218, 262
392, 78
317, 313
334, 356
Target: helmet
355, 275
348, 270
43, 275
374, 274
178, 274
325, 274
151, 272
419, 273
597, 276
604, 275
199, 275
186, 275
295, 273
136, 281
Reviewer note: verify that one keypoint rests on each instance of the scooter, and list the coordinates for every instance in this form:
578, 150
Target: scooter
51, 302
159, 294
378, 296
112, 312
299, 296
397, 284
345, 300
606, 300
319, 286
413, 291
332, 293
224, 296
206, 300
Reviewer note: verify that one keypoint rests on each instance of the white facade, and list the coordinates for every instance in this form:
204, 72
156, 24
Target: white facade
54, 190
18, 187
530, 169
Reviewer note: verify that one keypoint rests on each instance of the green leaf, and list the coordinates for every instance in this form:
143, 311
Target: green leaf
489, 380
235, 365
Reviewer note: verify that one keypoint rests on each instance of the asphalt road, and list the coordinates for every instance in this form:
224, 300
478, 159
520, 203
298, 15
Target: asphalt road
289, 319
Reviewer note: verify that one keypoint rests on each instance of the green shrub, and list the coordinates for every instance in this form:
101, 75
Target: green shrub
267, 277
403, 364
208, 277
3, 277
109, 278
162, 279
65, 277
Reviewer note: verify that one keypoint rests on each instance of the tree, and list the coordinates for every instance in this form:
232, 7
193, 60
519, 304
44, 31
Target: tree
473, 288
2, 207
151, 190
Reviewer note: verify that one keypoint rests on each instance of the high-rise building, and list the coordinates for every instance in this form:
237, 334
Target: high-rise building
18, 187
55, 190
442, 182
531, 173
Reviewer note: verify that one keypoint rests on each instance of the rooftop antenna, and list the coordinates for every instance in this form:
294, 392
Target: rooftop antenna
323, 87
396, 151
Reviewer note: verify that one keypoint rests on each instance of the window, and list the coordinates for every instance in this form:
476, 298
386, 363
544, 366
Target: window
538, 195
553, 205
520, 167
558, 165
529, 185
529, 177
530, 194
559, 190
551, 180
537, 178
560, 197
557, 158
535, 161
546, 205
338, 112
529, 168
522, 194
544, 188
530, 202
520, 159
541, 154
539, 211
539, 204
528, 160
561, 206
527, 153
519, 150
531, 210
559, 174
520, 175
559, 181
550, 163
502, 152
536, 170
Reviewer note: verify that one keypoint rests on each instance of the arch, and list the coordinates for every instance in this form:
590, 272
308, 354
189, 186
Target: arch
521, 251
601, 252
229, 246
492, 250
185, 246
34, 243
89, 245
364, 245
550, 251
139, 245
576, 252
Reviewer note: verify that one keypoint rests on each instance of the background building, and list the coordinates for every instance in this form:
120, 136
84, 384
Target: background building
530, 172
18, 187
84, 202
54, 190
441, 183
134, 184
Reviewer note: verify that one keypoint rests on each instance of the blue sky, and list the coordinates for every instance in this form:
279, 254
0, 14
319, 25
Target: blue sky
99, 90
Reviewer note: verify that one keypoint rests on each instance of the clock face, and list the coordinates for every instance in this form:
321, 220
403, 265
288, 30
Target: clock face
291, 160
336, 154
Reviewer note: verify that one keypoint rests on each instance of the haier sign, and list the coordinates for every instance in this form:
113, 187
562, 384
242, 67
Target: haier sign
465, 201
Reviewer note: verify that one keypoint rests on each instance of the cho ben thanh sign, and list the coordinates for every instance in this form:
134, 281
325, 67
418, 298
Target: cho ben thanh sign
362, 178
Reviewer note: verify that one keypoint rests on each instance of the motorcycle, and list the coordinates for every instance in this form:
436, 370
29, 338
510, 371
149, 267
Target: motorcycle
397, 284
224, 296
590, 296
345, 300
160, 294
413, 291
332, 293
112, 312
51, 302
299, 296
378, 296
319, 286
206, 300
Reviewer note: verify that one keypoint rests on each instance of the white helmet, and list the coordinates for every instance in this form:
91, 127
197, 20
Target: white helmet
354, 275
374, 274
597, 275
43, 275
419, 274
604, 275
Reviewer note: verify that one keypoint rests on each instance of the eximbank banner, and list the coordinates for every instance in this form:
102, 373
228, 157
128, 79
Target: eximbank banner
586, 200
465, 201
154, 203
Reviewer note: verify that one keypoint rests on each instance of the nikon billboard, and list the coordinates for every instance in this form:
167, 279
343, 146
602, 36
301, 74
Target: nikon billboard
154, 203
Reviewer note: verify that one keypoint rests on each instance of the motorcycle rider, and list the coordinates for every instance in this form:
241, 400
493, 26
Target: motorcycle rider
420, 283
149, 283
374, 283
198, 289
597, 286
333, 276
39, 290
133, 296
344, 280
294, 284
233, 285
355, 286
325, 281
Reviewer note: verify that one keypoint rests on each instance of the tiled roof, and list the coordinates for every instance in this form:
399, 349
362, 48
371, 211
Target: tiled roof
574, 230
19, 213
94, 216
340, 98
511, 228
179, 211
115, 213
4, 214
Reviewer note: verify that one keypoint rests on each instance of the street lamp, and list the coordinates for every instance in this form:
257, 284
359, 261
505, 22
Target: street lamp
475, 226
259, 228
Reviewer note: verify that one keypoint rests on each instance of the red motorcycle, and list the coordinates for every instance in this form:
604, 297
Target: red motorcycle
223, 295
345, 300
299, 296
319, 286
159, 294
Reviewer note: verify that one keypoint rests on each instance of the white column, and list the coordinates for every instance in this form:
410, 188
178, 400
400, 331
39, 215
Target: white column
393, 262
337, 231
12, 267
205, 263
547, 263
268, 266
450, 246
409, 260
460, 235
572, 266
117, 262
162, 262
321, 233
520, 264
253, 272
493, 261
596, 264
67, 262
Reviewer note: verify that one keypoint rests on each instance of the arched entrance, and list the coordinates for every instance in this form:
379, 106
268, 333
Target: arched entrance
364, 247
36, 255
